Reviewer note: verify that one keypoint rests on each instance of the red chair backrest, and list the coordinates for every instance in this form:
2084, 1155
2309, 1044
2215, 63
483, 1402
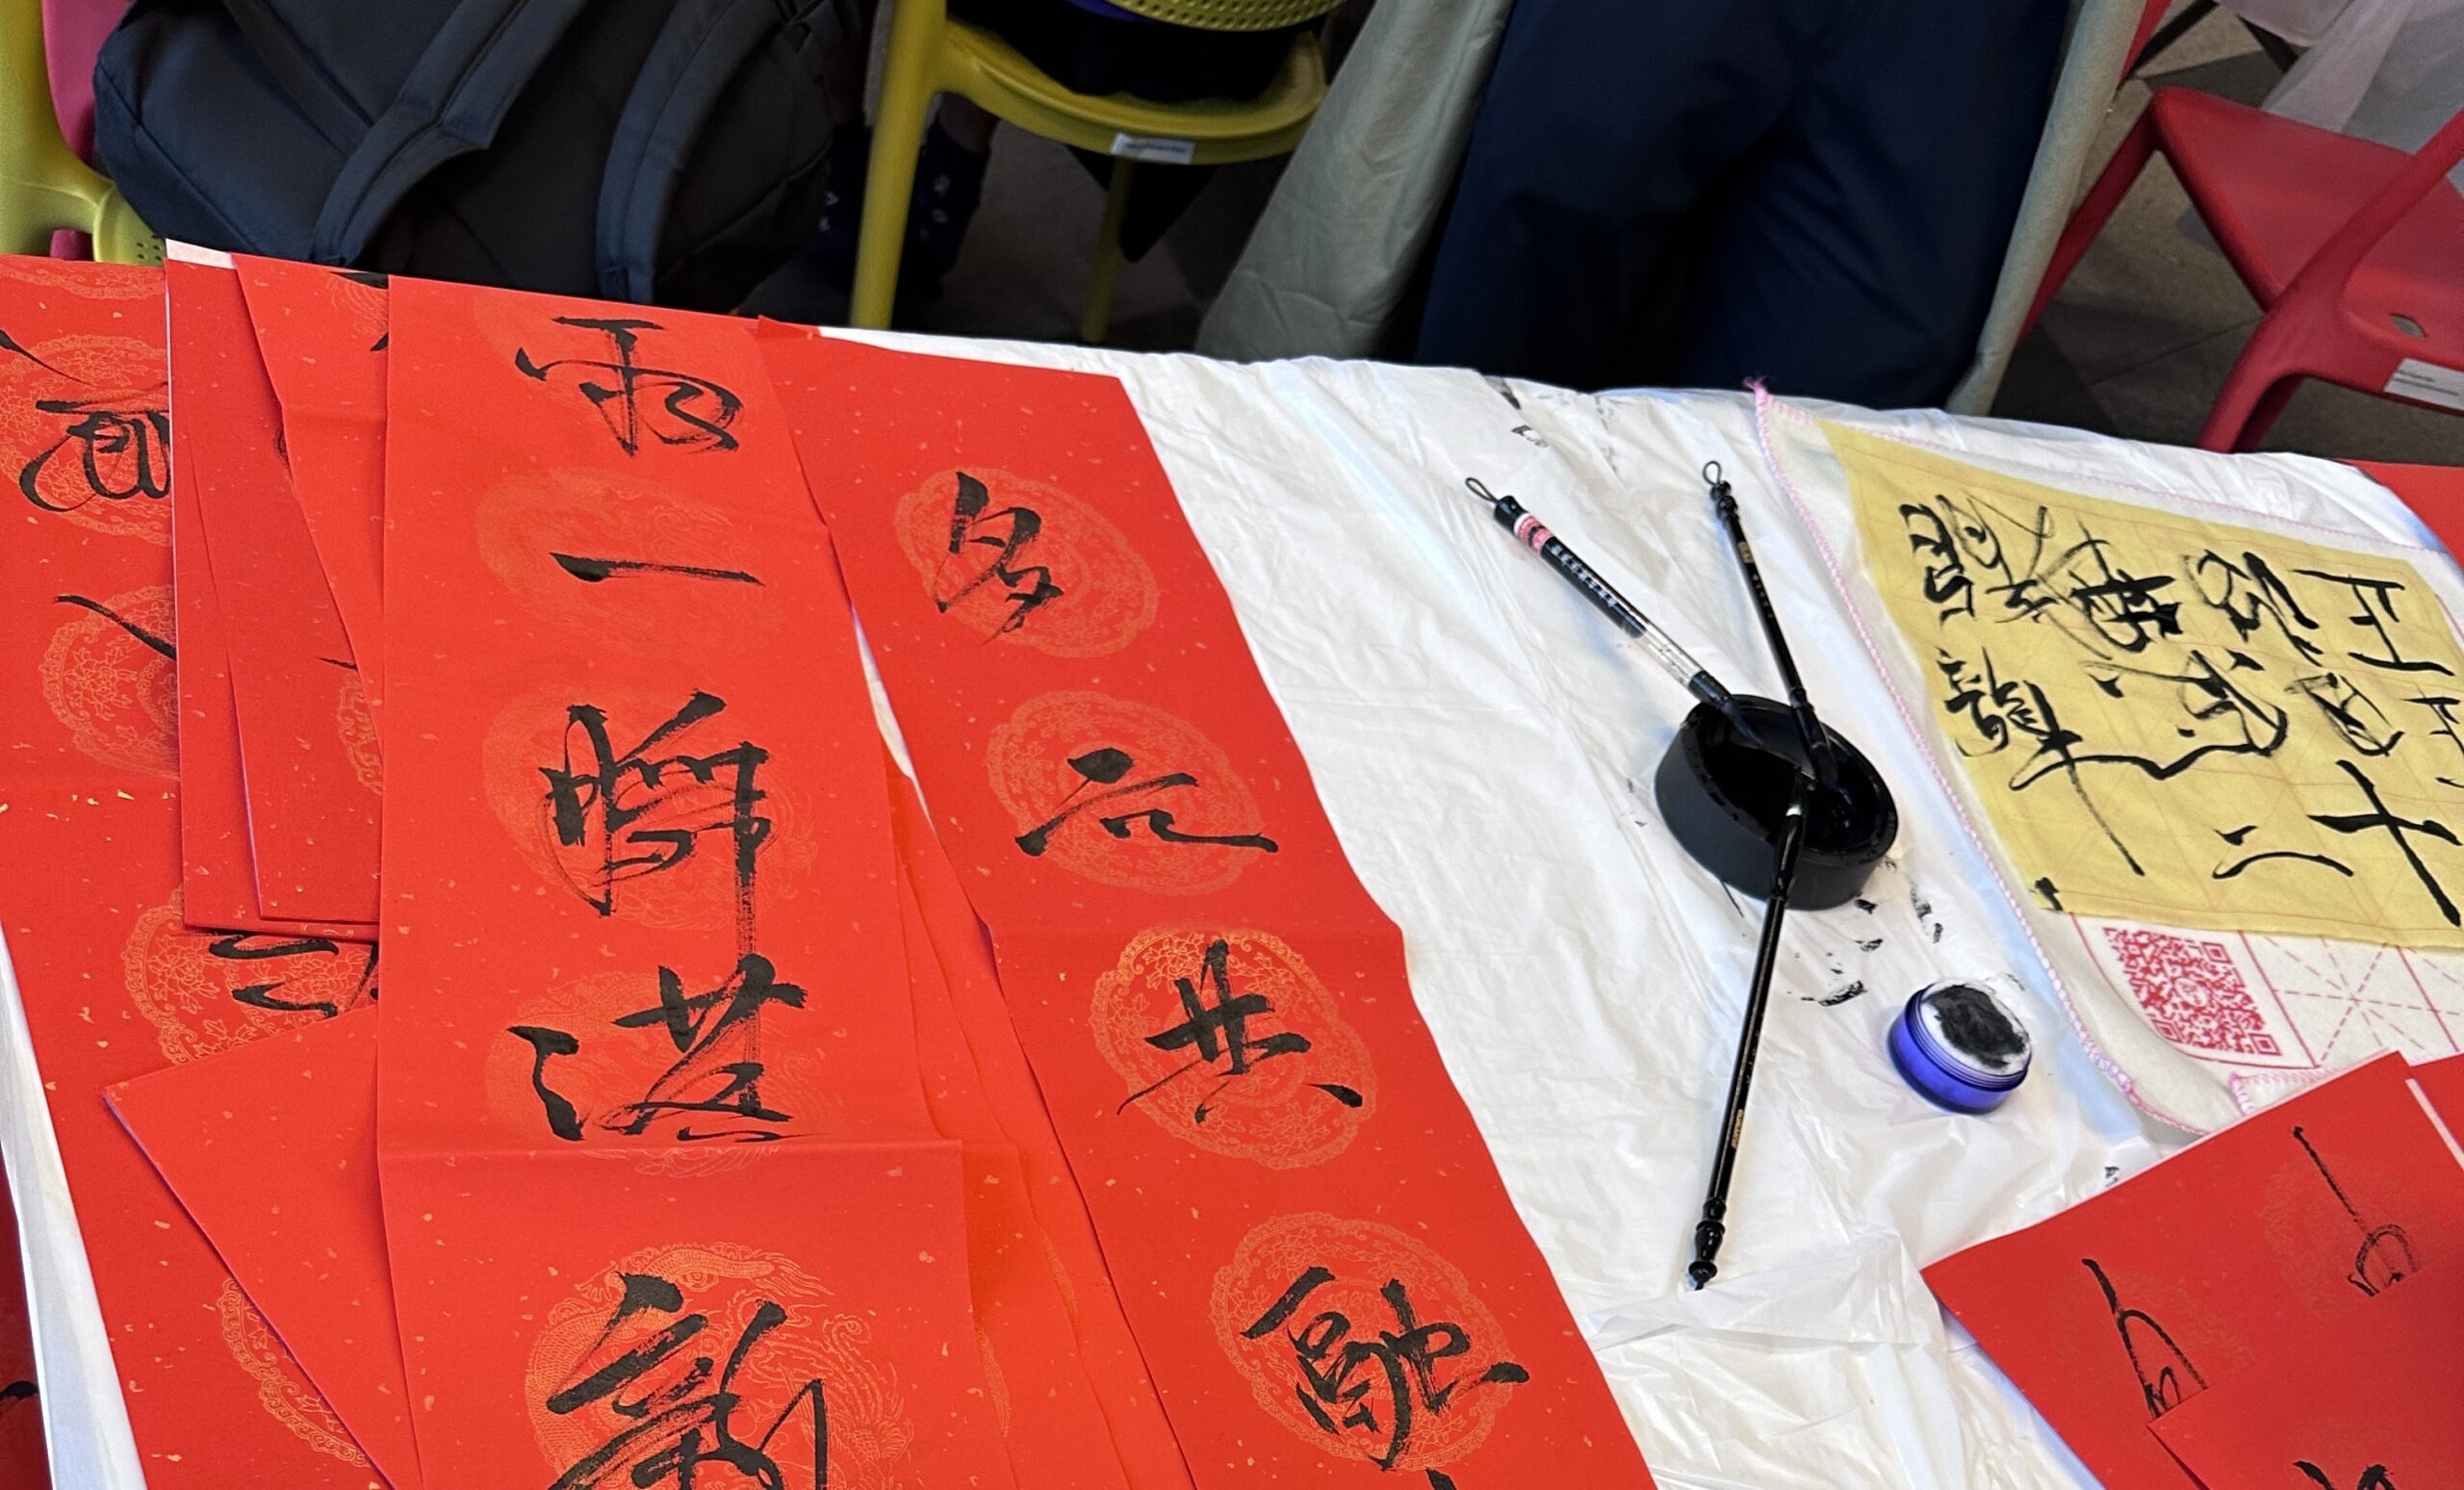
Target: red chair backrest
2332, 266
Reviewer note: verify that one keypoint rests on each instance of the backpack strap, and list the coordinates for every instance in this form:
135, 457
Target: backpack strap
704, 47
452, 103
315, 91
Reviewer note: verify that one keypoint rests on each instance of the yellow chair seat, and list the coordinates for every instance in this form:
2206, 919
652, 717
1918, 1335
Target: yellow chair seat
930, 54
992, 73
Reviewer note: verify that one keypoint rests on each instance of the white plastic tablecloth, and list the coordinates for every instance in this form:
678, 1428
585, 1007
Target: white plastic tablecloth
1484, 745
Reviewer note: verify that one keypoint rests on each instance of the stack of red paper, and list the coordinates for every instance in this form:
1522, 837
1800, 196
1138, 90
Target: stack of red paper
506, 1021
2279, 1305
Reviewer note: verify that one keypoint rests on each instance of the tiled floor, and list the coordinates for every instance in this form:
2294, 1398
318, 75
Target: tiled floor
2136, 344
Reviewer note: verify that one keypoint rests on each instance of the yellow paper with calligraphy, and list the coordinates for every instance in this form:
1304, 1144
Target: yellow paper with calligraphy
2170, 720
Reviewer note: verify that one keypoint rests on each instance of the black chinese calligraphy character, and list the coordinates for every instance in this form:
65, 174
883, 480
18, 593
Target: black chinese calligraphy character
114, 449
2375, 605
2380, 820
2235, 869
1009, 532
2385, 1257
2018, 585
2230, 719
2235, 722
1380, 1383
2441, 707
2374, 1478
1981, 696
670, 408
592, 570
1105, 769
640, 811
2155, 1360
15, 1395
2253, 598
718, 1070
2058, 749
1215, 1027
150, 639
2352, 713
2127, 611
563, 1119
1947, 584
683, 1420
267, 994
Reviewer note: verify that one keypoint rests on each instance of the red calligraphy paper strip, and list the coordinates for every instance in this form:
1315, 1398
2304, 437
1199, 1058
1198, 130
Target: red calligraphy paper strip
217, 875
2434, 493
1047, 1405
322, 334
648, 1063
271, 1147
2373, 1398
2215, 1262
307, 747
114, 984
1142, 1438
1316, 1255
21, 1451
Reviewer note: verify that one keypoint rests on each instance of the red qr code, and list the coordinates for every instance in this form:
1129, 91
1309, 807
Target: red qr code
2191, 992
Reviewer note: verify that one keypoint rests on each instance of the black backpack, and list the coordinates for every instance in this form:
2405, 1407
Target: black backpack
666, 151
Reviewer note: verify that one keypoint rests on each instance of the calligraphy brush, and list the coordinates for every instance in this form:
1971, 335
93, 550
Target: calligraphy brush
1809, 731
1713, 1229
1696, 679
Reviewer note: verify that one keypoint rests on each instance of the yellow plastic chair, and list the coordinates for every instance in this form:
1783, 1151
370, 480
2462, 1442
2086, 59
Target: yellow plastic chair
930, 54
44, 187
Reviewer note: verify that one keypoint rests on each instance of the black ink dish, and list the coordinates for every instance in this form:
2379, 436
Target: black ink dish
1725, 795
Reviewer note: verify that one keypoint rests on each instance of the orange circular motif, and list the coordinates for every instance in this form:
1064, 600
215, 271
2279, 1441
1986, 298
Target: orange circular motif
1022, 562
109, 678
543, 766
1228, 1040
358, 729
625, 563
1371, 1328
1124, 795
656, 1293
85, 433
283, 1390
205, 991
614, 1066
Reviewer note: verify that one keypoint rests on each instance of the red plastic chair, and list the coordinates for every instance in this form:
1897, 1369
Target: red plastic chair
2354, 251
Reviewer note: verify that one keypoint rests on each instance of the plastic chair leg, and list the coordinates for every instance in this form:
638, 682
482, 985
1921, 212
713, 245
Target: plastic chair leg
2270, 407
908, 89
1101, 280
2261, 383
2095, 209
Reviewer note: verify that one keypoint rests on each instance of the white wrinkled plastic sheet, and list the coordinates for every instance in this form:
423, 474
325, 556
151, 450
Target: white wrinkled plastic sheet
1484, 745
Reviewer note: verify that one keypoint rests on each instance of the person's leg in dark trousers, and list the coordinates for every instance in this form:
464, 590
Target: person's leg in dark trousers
1856, 255
1603, 123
